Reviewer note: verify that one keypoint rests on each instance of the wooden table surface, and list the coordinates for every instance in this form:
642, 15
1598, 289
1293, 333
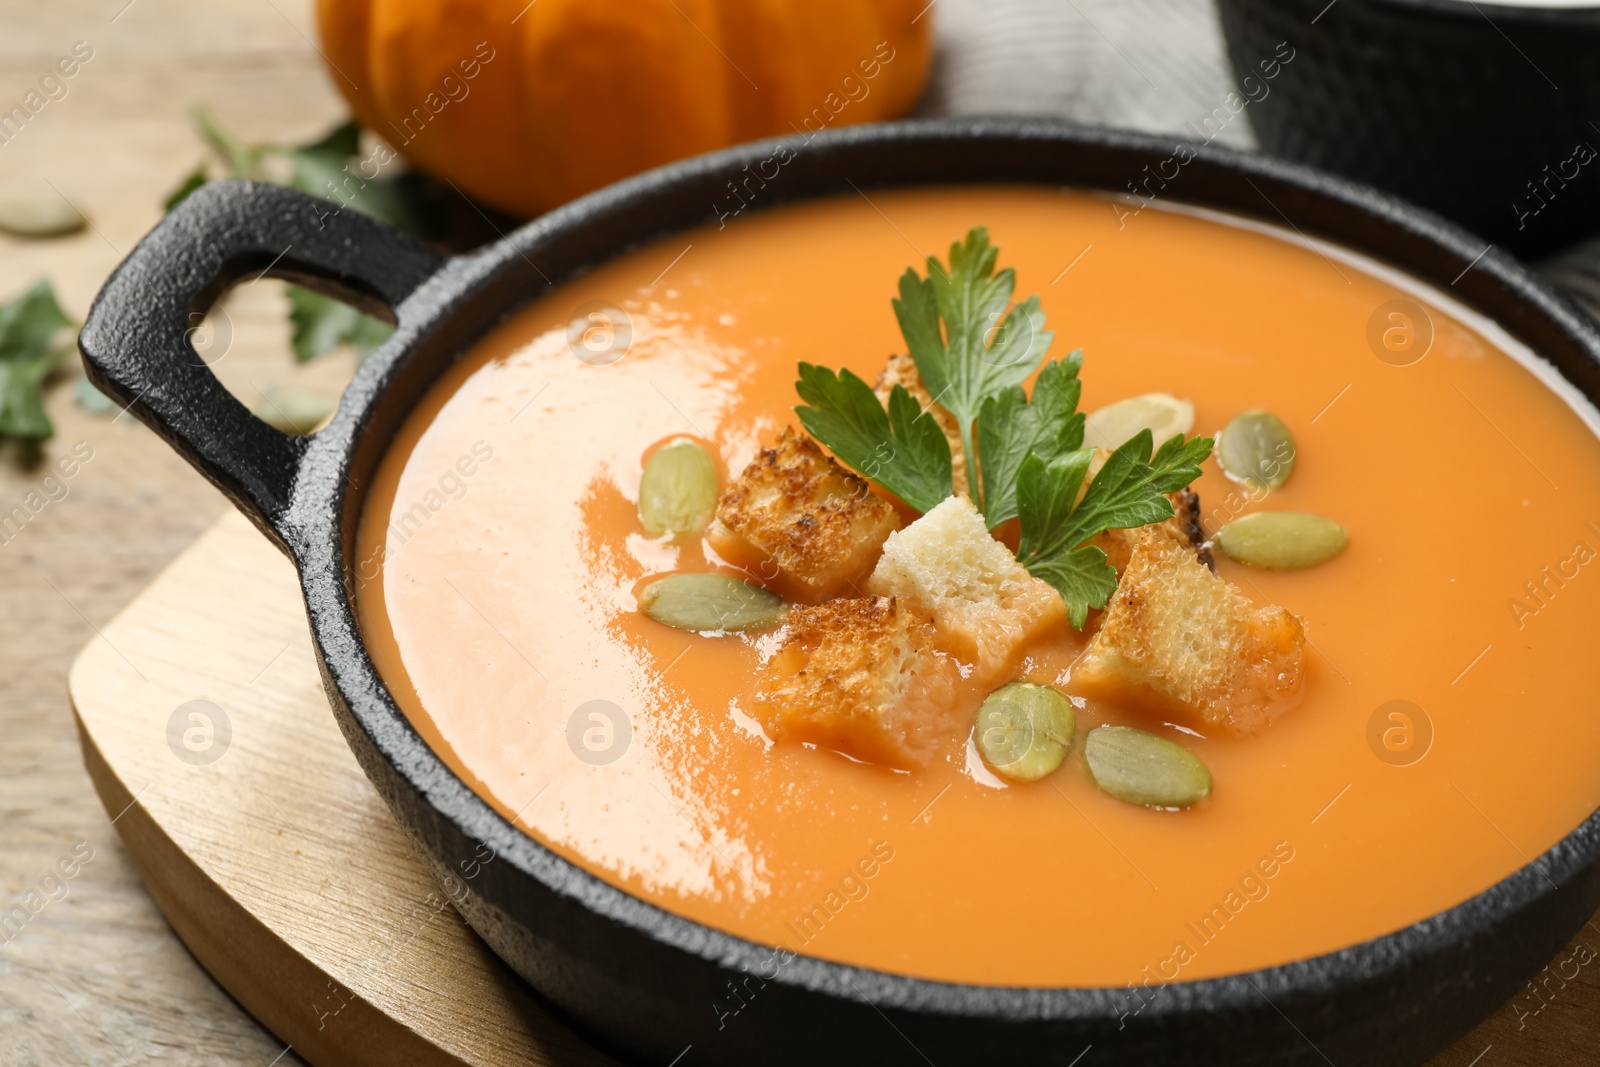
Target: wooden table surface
96, 976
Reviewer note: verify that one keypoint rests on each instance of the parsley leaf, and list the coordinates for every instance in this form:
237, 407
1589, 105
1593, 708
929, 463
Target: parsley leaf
321, 323
242, 160
965, 343
22, 397
320, 168
901, 449
1129, 491
29, 326
191, 181
323, 168
1025, 458
1010, 429
90, 399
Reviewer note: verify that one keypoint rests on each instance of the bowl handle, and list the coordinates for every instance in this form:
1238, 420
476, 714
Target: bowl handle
136, 341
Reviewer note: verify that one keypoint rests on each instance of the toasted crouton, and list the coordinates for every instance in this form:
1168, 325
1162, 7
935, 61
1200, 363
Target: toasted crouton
858, 675
1182, 529
985, 605
804, 526
902, 370
1175, 631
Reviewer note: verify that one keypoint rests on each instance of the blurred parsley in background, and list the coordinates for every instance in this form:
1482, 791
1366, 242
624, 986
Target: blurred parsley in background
31, 347
407, 201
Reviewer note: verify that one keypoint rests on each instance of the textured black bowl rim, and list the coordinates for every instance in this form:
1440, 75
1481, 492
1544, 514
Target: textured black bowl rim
1481, 12
313, 529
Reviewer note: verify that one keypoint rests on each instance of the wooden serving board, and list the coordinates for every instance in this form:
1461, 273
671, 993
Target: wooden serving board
261, 840
283, 872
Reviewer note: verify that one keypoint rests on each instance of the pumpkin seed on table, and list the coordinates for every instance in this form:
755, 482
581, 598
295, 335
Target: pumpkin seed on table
1112, 426
1024, 730
45, 216
704, 602
1281, 540
678, 490
1257, 450
1141, 768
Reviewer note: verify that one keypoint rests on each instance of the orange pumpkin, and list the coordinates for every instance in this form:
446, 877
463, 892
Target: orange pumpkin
527, 105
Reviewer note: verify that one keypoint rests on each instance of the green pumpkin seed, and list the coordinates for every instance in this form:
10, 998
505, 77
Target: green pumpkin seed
1281, 540
1115, 424
679, 488
1256, 449
46, 216
1141, 768
1024, 730
705, 602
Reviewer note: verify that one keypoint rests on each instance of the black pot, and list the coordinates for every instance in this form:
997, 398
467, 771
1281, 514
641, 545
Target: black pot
640, 979
1476, 110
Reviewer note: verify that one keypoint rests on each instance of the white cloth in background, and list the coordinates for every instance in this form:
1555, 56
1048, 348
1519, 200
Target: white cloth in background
1154, 65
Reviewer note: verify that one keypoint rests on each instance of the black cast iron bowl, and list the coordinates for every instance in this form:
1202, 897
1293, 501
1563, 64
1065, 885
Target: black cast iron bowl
1471, 109
642, 980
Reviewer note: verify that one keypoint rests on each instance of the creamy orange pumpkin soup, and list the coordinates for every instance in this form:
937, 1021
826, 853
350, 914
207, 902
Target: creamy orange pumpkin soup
1100, 600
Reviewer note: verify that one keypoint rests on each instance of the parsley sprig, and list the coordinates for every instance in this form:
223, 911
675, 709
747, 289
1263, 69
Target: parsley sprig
31, 347
323, 167
974, 350
1130, 490
901, 449
1011, 428
982, 348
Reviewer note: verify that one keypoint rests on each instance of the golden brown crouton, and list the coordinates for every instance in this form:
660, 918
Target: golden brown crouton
1178, 632
902, 370
985, 605
1183, 529
800, 523
858, 675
